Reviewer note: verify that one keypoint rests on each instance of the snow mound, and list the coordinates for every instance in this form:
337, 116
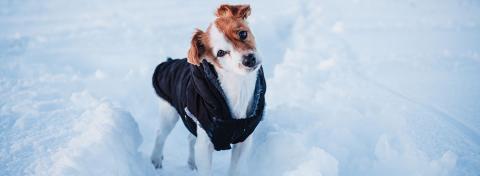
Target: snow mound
80, 135
319, 163
105, 143
407, 160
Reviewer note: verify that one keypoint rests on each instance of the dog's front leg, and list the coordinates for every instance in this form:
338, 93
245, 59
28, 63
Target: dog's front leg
240, 151
203, 153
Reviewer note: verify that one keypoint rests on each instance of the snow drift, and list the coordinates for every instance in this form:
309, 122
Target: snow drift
86, 136
106, 141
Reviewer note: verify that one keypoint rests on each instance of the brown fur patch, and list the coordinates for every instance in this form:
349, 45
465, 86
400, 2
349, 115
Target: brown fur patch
200, 48
230, 21
236, 11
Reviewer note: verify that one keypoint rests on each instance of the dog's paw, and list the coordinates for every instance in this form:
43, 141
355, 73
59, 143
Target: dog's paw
157, 162
192, 165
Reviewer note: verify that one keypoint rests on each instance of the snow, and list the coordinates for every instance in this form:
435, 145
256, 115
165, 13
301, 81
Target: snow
107, 141
80, 136
354, 87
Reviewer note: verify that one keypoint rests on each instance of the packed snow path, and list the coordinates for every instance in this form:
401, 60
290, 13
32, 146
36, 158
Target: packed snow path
354, 87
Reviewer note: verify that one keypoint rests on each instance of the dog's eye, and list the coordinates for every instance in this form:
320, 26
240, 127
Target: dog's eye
243, 35
221, 53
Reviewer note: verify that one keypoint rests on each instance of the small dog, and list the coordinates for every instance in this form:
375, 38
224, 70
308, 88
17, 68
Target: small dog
218, 91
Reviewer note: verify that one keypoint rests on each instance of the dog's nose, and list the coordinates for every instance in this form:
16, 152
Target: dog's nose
249, 60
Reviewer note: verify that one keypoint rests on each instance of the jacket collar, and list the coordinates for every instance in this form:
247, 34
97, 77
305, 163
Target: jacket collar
214, 90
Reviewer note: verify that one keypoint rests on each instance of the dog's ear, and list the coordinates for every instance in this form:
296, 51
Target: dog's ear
197, 48
237, 11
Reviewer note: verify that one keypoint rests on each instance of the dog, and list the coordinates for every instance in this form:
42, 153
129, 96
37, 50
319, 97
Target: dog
218, 91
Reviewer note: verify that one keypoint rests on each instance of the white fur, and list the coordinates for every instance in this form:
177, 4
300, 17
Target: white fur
240, 153
238, 83
203, 153
191, 151
167, 122
239, 91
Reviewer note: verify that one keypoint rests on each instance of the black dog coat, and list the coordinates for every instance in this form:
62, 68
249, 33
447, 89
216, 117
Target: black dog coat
196, 94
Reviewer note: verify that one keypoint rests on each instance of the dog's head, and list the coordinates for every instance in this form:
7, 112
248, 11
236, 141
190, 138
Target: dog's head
228, 42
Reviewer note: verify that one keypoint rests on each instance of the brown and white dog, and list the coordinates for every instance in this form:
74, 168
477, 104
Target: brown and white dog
229, 45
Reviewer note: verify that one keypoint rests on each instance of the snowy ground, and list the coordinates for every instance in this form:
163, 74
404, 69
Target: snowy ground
374, 87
